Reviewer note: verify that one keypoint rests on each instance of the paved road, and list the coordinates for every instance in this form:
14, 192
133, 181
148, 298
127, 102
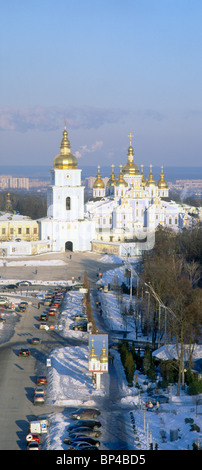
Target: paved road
18, 379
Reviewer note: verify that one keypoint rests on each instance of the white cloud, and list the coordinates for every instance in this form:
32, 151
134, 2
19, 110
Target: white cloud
85, 149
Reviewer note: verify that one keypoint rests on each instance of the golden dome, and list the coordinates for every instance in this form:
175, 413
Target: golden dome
65, 160
93, 355
162, 183
121, 182
130, 168
151, 181
112, 180
103, 356
99, 183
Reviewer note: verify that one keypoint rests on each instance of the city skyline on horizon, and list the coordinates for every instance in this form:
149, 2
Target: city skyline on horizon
109, 69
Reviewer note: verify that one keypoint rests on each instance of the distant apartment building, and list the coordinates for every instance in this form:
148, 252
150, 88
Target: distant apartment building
11, 182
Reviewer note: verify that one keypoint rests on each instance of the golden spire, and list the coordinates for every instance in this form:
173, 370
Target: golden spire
92, 355
130, 168
143, 178
65, 160
99, 183
162, 183
103, 355
151, 181
121, 181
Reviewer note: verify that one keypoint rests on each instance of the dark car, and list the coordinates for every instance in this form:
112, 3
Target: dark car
160, 398
11, 286
35, 341
80, 431
85, 413
88, 440
43, 317
24, 352
89, 423
79, 326
83, 446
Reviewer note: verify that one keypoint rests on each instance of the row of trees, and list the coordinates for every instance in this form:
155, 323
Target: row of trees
172, 270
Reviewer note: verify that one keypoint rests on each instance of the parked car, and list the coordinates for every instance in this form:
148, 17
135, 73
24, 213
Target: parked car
21, 308
4, 302
79, 317
43, 317
90, 423
11, 286
43, 325
24, 303
85, 413
41, 380
35, 340
39, 398
160, 398
79, 326
40, 390
24, 283
24, 352
83, 446
33, 446
80, 431
51, 312
83, 438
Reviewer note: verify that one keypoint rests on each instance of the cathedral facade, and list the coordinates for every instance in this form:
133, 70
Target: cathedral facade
120, 218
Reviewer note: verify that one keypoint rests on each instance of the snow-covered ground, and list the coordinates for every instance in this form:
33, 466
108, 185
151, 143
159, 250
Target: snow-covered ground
70, 384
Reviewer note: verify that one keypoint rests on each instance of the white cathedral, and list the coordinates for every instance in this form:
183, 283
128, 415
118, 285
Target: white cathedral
111, 221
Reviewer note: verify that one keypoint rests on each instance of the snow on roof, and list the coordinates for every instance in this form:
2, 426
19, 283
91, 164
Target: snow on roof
168, 351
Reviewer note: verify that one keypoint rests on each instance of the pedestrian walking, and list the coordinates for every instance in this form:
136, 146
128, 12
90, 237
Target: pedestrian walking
150, 406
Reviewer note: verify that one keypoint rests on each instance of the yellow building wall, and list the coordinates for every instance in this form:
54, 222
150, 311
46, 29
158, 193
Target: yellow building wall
25, 230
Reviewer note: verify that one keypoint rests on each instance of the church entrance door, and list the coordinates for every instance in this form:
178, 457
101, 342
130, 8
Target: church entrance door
69, 246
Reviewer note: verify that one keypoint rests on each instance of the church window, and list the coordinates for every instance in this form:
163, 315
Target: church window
170, 220
27, 231
104, 221
68, 203
19, 231
175, 220
35, 230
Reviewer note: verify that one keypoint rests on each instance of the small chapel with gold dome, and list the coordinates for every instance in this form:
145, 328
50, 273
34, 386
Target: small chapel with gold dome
117, 219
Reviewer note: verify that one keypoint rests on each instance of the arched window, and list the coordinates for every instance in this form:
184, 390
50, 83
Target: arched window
68, 203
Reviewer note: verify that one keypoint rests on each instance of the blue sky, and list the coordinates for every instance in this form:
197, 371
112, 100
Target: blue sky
109, 67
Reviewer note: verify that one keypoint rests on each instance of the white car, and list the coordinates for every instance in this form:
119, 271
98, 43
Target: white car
39, 399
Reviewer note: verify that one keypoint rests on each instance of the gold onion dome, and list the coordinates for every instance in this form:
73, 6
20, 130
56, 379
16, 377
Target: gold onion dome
103, 355
99, 183
112, 180
65, 160
130, 168
162, 183
151, 181
121, 181
92, 354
